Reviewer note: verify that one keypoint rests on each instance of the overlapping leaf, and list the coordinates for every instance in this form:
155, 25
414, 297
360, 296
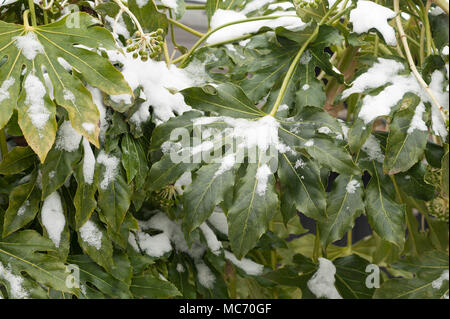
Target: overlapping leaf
27, 251
429, 279
253, 206
51, 52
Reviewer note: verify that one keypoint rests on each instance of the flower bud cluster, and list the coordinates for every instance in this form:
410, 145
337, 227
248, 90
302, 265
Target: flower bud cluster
145, 46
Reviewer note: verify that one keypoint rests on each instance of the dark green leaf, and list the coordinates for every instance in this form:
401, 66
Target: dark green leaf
17, 160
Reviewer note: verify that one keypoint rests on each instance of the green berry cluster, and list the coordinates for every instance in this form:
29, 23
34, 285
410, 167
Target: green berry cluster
145, 46
438, 208
307, 3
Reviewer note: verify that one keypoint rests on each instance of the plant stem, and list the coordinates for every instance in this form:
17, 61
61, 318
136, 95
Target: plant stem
233, 283
125, 9
172, 36
290, 71
185, 27
195, 7
3, 144
346, 63
375, 46
261, 257
26, 23
427, 27
349, 239
273, 256
397, 190
208, 34
442, 4
33, 13
421, 46
166, 53
316, 250
180, 58
45, 8
334, 20
294, 63
411, 60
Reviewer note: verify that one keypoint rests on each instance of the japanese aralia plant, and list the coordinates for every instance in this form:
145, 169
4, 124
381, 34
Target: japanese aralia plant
129, 171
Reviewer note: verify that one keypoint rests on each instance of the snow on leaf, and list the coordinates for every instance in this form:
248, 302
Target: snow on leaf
52, 48
368, 15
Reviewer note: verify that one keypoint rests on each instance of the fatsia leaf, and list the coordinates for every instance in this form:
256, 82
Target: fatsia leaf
23, 205
121, 237
265, 75
358, 134
439, 29
95, 243
218, 289
237, 147
121, 269
322, 60
63, 240
166, 172
265, 69
413, 183
386, 216
27, 252
162, 132
283, 228
134, 160
429, 280
310, 92
351, 277
300, 133
57, 168
52, 51
227, 99
148, 286
114, 194
406, 141
251, 211
84, 200
328, 154
17, 160
179, 275
207, 190
344, 205
326, 37
36, 114
434, 154
91, 275
301, 186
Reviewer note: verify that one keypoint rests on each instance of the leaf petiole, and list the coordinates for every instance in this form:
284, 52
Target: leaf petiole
3, 143
208, 34
185, 27
33, 13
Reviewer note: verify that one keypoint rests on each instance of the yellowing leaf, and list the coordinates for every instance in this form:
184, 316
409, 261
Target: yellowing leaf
46, 56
